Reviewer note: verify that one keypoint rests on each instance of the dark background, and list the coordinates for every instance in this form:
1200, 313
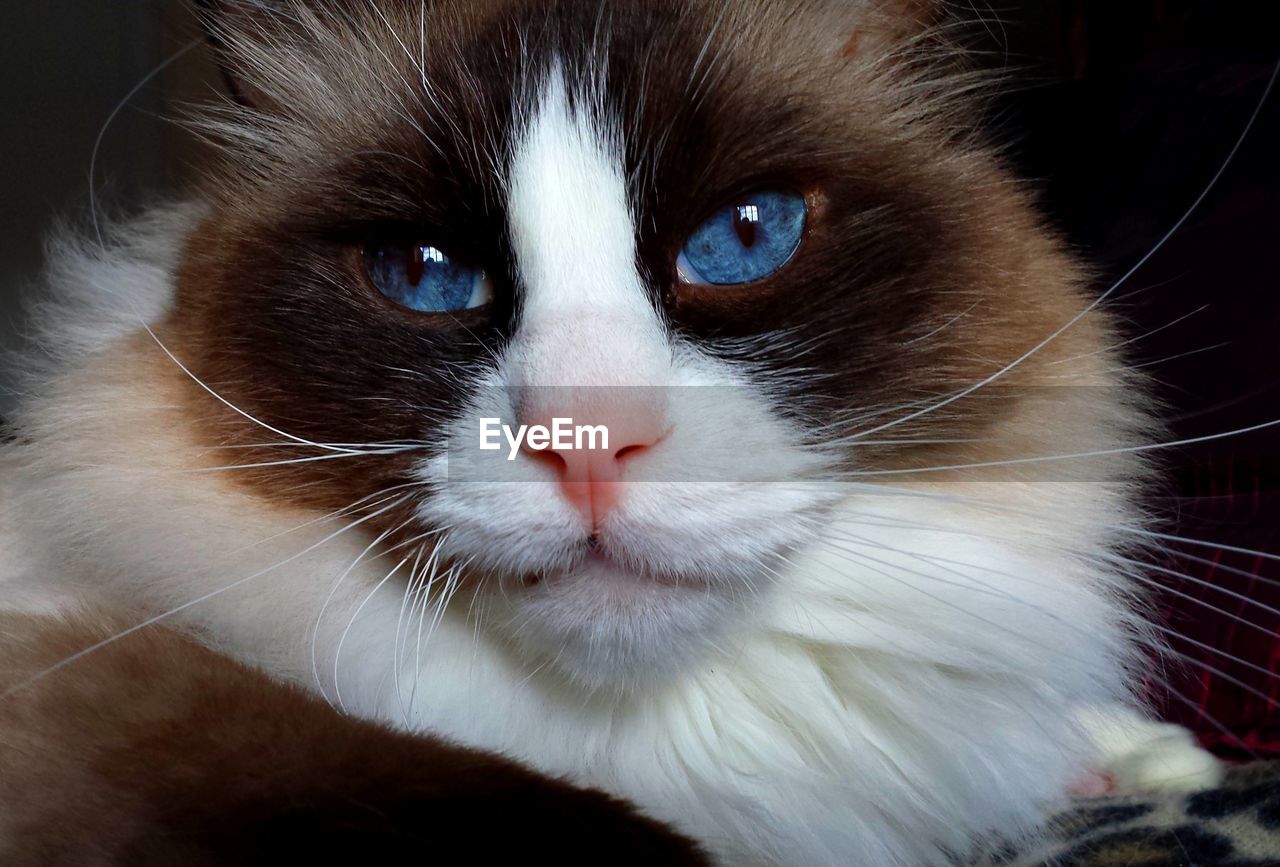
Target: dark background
1119, 111
64, 66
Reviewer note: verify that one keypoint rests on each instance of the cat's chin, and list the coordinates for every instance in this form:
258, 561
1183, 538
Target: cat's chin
604, 625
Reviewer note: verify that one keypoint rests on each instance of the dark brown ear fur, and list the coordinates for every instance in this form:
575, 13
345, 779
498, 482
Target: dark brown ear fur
875, 26
156, 750
227, 24
211, 15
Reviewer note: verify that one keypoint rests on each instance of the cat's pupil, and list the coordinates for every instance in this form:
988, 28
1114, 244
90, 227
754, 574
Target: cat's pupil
415, 264
746, 217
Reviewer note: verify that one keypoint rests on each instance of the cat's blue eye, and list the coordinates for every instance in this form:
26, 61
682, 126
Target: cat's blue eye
745, 241
423, 277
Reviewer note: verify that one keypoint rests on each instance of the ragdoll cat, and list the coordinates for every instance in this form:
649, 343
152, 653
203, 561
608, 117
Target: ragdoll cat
834, 592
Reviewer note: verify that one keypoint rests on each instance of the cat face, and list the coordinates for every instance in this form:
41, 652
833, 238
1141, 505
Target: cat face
743, 237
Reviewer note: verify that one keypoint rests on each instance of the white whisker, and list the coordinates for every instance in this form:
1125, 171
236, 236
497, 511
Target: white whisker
1074, 456
337, 655
315, 632
151, 621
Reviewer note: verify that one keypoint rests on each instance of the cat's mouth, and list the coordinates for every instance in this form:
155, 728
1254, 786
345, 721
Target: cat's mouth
597, 561
606, 620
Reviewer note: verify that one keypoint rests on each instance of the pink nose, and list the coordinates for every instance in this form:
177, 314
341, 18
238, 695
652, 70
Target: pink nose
595, 446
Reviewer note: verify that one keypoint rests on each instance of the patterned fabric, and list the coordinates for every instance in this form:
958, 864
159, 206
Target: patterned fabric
1236, 825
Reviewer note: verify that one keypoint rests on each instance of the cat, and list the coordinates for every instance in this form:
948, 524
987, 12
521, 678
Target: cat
835, 592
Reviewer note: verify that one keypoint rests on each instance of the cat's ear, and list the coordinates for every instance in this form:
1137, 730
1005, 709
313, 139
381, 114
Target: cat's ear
872, 27
253, 38
229, 26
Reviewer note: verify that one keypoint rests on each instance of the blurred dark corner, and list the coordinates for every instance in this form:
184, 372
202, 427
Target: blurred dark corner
64, 67
1119, 112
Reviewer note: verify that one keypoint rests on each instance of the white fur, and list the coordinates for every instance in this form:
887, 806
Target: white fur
1142, 755
575, 246
848, 674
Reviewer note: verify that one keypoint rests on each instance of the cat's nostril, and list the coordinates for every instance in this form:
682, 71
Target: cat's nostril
549, 457
627, 451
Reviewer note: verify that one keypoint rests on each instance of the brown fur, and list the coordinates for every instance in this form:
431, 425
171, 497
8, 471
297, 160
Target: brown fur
156, 750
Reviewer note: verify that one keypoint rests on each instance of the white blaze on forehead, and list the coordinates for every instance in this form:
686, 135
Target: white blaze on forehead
570, 219
575, 247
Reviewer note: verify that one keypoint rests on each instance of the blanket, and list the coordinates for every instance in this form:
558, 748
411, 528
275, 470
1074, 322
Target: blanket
1235, 825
